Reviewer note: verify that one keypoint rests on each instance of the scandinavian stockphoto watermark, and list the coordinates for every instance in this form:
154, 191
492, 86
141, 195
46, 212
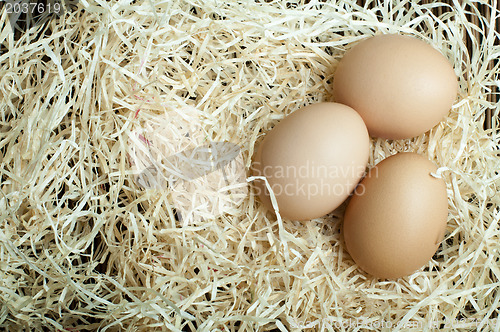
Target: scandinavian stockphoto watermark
171, 151
311, 179
207, 178
187, 165
377, 324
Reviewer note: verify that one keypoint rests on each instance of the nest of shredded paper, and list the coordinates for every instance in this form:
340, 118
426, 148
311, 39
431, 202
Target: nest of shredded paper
84, 246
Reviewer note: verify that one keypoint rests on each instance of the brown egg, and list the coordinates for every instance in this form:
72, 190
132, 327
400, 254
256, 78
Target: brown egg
396, 219
313, 160
400, 85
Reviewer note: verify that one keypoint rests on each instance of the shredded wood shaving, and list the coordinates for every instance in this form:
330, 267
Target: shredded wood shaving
84, 247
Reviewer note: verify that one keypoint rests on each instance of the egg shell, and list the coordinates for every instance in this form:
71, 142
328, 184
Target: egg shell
313, 159
400, 85
396, 218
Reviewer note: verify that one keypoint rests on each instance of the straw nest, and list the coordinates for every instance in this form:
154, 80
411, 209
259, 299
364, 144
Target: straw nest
84, 246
